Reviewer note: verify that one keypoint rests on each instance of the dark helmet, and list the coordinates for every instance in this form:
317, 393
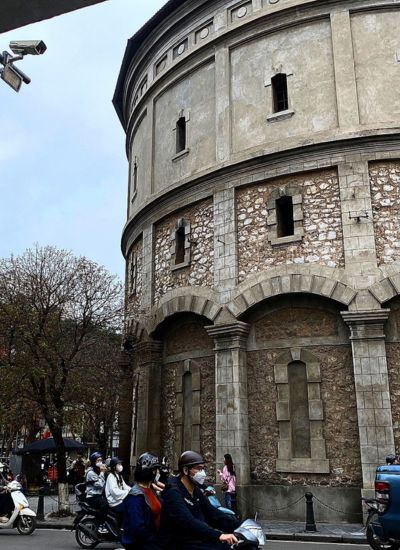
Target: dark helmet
114, 461
147, 461
189, 458
94, 457
390, 459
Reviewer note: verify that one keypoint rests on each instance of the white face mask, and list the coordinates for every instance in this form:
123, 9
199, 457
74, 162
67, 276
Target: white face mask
119, 468
99, 464
199, 477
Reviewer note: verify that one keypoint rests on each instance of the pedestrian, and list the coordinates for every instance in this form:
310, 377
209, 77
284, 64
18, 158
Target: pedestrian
228, 479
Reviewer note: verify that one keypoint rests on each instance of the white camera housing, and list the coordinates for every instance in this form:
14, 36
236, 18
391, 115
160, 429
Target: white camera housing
28, 47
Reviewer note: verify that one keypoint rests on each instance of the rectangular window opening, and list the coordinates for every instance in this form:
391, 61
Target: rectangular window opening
299, 415
135, 177
181, 134
284, 216
180, 246
280, 93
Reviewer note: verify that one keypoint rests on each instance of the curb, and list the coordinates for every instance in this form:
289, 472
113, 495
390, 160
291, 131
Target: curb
48, 525
317, 537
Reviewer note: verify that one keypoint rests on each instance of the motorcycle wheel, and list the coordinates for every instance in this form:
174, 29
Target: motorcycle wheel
84, 540
26, 525
375, 544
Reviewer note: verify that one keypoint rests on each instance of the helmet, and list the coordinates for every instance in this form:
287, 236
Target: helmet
114, 461
390, 459
94, 457
147, 461
189, 458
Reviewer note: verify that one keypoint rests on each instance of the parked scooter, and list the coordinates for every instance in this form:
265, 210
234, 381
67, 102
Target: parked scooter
22, 517
86, 523
211, 494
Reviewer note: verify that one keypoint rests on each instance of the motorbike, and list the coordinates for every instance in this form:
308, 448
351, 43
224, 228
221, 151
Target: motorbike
211, 494
21, 517
86, 523
250, 535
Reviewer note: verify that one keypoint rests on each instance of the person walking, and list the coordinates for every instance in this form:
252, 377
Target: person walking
228, 479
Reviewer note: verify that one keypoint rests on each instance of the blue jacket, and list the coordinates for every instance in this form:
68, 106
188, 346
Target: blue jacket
187, 519
138, 525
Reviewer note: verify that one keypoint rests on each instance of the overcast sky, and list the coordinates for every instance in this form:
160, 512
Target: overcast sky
62, 149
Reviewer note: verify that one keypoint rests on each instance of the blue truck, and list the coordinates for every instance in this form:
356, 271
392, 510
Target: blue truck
383, 523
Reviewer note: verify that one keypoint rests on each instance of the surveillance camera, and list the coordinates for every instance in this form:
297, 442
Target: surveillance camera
25, 47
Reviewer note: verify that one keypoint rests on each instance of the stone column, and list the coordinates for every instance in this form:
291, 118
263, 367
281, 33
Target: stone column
222, 104
372, 389
343, 59
125, 406
225, 246
148, 261
148, 406
232, 430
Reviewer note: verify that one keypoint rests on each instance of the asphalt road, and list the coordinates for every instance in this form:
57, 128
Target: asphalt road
65, 540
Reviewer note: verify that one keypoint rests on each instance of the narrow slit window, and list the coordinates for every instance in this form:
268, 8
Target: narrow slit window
180, 245
299, 415
284, 216
135, 176
181, 134
280, 93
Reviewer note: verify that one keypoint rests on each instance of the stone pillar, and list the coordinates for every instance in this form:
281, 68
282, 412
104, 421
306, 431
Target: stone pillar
372, 389
343, 59
222, 104
125, 407
232, 429
147, 274
148, 406
225, 246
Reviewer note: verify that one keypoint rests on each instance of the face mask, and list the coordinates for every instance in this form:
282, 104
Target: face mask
119, 468
199, 477
99, 464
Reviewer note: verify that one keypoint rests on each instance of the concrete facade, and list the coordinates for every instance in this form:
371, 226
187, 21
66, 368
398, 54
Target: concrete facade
283, 338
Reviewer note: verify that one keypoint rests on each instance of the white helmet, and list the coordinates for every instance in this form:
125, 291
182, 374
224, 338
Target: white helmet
14, 486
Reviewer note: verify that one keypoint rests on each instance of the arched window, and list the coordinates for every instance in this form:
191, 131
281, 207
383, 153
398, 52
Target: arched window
298, 407
284, 216
181, 134
280, 99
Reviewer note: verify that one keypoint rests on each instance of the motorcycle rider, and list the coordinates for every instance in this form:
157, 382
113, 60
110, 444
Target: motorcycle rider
188, 520
142, 507
95, 483
116, 488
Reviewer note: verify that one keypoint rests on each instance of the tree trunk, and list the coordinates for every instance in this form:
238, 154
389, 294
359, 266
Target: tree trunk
63, 491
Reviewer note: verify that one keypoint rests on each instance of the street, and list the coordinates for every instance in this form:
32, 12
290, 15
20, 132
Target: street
65, 540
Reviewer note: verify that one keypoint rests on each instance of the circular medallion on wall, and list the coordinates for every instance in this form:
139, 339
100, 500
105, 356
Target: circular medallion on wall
204, 32
242, 11
180, 49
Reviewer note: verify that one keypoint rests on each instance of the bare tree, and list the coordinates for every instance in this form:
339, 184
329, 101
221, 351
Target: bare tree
53, 306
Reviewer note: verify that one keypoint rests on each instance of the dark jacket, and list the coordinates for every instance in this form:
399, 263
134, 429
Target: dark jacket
138, 525
187, 520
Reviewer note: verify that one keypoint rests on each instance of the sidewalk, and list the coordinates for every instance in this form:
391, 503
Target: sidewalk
274, 530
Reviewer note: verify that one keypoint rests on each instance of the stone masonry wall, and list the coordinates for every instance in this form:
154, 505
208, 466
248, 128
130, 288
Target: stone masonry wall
322, 242
385, 187
200, 272
339, 403
134, 297
207, 407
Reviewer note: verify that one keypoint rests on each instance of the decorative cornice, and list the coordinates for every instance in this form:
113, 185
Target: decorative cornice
230, 335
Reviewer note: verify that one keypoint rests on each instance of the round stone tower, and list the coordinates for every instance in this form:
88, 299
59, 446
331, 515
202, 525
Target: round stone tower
262, 243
